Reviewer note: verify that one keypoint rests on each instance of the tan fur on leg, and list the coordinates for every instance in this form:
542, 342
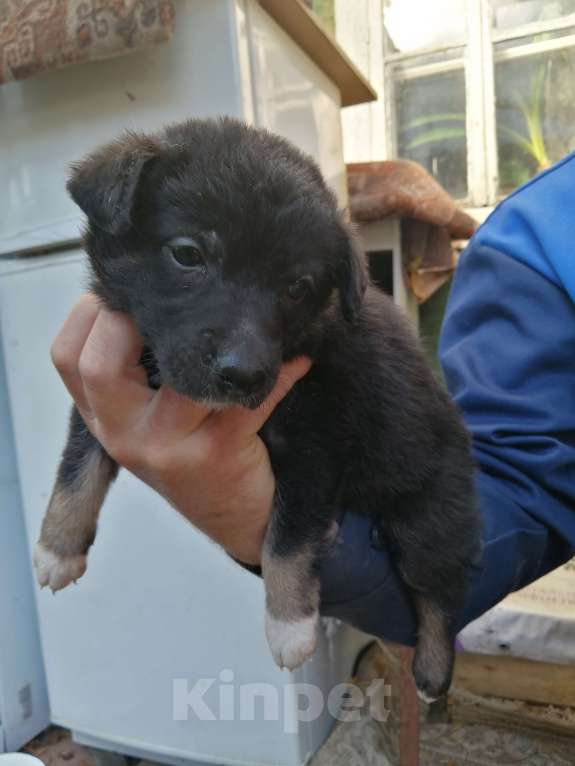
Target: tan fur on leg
292, 606
433, 660
69, 526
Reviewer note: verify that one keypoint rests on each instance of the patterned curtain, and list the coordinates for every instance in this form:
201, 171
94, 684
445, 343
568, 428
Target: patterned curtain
39, 35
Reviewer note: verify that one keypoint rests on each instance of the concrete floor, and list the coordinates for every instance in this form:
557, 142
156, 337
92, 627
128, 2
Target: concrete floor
367, 742
363, 744
459, 743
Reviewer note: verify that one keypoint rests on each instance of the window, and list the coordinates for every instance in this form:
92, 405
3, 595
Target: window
480, 92
325, 10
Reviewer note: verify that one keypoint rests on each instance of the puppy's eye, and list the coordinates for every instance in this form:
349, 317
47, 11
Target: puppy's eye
185, 254
300, 289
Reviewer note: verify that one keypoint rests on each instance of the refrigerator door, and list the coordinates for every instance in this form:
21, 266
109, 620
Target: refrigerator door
23, 697
160, 608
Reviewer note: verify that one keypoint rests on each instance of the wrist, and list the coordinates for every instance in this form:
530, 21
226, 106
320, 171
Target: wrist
246, 552
242, 538
252, 568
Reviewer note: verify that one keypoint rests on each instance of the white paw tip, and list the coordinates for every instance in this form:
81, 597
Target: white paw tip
55, 572
291, 643
424, 697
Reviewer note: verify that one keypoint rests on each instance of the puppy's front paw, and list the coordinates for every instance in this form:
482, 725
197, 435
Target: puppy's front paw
56, 571
291, 643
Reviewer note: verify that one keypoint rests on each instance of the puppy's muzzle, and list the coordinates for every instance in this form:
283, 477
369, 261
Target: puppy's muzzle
240, 377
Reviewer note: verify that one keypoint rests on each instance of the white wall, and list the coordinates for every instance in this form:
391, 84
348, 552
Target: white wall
359, 30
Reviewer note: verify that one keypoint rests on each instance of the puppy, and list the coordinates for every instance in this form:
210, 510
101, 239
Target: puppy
226, 247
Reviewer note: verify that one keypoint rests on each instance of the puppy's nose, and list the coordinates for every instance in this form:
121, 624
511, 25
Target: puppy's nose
238, 375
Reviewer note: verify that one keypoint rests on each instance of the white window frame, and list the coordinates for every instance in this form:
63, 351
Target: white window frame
363, 142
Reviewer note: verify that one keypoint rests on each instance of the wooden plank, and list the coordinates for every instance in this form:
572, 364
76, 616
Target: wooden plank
515, 679
529, 717
409, 715
302, 26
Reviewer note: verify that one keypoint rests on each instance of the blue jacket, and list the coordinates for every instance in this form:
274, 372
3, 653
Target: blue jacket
508, 353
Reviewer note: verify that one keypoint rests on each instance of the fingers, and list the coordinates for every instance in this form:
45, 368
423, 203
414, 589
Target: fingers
289, 375
250, 421
68, 345
115, 385
174, 414
97, 354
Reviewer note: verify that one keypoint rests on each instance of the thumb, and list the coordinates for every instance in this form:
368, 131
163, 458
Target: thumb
250, 421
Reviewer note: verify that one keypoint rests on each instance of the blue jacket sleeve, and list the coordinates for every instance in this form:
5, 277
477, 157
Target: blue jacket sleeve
508, 353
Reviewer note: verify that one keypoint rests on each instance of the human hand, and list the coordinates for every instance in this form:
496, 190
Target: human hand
210, 465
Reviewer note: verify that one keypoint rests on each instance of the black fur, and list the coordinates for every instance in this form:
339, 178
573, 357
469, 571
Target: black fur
368, 428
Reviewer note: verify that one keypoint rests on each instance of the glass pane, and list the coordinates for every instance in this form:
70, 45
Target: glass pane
431, 127
509, 14
454, 55
413, 24
325, 11
540, 37
535, 101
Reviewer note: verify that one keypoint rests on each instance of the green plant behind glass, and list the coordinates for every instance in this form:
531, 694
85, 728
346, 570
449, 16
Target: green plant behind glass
435, 129
448, 126
532, 140
325, 10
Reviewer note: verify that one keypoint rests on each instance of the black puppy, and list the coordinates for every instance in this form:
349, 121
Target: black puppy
226, 247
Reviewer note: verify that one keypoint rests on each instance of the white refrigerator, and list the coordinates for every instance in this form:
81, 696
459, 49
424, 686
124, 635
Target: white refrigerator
161, 613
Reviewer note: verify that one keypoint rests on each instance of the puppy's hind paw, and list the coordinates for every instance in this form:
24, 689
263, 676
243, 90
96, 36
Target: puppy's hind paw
57, 571
291, 643
426, 697
432, 681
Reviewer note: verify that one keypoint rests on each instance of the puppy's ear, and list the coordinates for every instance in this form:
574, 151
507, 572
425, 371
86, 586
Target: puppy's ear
352, 275
104, 184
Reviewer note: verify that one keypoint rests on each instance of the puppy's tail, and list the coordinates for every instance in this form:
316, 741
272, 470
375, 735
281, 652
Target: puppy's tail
85, 474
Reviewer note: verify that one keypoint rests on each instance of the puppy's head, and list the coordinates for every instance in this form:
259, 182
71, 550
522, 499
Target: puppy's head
226, 247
